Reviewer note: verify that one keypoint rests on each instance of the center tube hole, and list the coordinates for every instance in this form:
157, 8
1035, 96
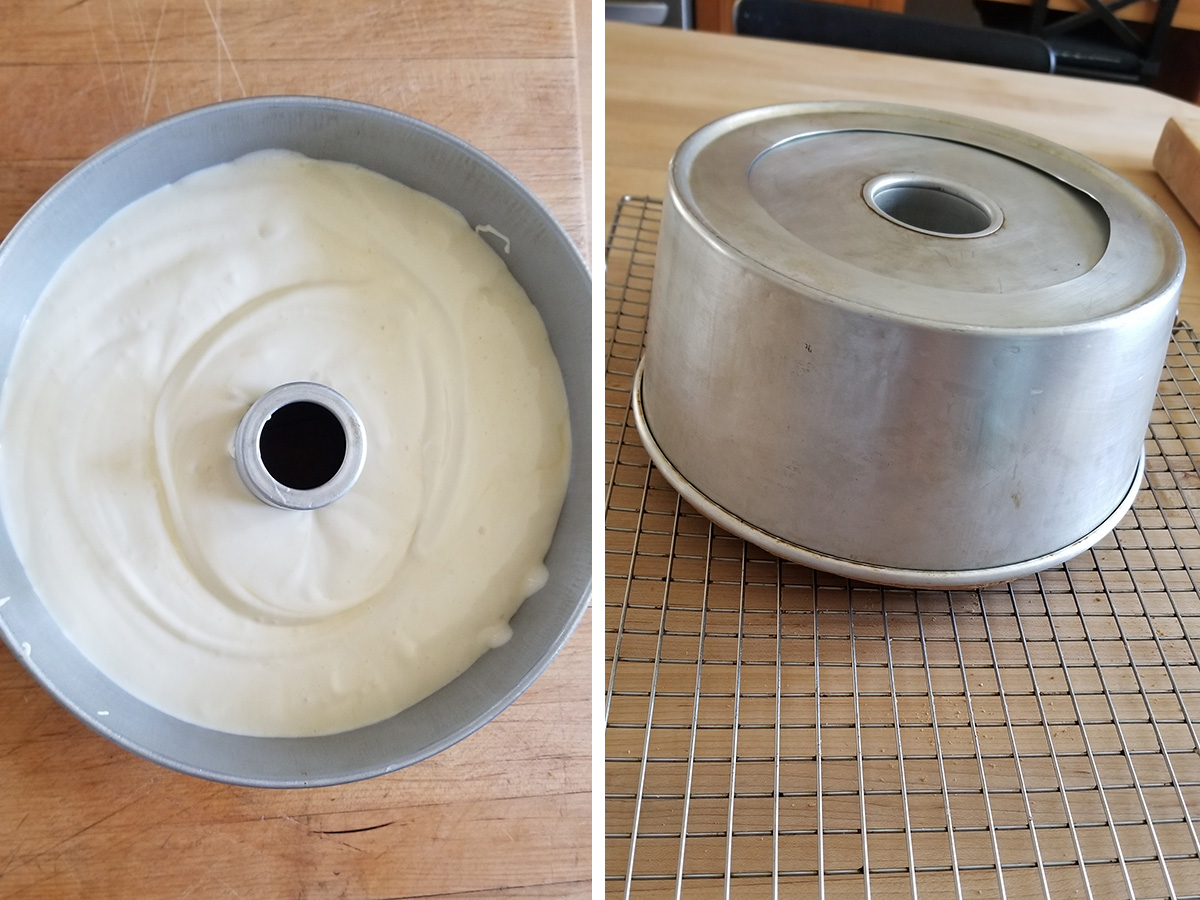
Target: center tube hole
302, 445
931, 205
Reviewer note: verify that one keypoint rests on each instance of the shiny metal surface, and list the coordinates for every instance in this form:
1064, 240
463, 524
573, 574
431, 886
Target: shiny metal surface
775, 732
866, 570
922, 408
817, 190
932, 204
253, 469
544, 262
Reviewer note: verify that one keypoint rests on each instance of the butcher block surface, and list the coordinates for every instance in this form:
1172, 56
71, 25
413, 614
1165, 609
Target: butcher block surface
1177, 161
507, 811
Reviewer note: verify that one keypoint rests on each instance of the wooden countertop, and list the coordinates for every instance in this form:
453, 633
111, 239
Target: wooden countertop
506, 812
661, 85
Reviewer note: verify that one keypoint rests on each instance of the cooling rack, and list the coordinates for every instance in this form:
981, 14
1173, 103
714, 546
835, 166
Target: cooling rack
772, 731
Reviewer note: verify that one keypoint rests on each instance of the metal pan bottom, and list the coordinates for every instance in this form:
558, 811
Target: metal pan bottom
915, 578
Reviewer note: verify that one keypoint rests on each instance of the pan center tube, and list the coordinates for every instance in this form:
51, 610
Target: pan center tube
933, 205
299, 446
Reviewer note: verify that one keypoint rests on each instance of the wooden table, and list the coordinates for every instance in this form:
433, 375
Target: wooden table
506, 812
662, 85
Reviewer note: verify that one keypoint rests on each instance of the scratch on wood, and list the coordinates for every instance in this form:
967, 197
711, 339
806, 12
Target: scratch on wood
565, 888
222, 45
9, 861
137, 18
100, 66
355, 830
57, 849
198, 882
16, 850
151, 70
116, 37
229, 887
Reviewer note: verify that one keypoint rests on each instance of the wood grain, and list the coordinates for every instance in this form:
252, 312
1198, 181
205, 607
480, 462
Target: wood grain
73, 79
583, 49
661, 86
507, 811
228, 32
1177, 160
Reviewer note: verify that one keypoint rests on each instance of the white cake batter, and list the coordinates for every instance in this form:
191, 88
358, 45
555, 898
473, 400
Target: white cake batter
116, 426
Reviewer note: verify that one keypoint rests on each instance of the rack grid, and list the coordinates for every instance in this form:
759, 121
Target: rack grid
772, 731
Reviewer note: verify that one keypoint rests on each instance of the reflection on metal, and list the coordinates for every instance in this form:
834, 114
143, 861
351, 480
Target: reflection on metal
918, 344
254, 465
772, 731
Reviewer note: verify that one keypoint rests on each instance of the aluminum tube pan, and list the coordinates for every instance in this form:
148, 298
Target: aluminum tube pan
910, 340
540, 256
254, 470
914, 578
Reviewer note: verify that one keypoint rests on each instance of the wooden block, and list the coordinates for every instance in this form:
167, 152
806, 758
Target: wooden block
1177, 160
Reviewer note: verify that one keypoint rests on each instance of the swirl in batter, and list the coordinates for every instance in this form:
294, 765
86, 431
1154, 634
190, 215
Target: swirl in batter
117, 418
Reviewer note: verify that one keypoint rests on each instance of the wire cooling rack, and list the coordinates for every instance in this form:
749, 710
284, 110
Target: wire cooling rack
777, 732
